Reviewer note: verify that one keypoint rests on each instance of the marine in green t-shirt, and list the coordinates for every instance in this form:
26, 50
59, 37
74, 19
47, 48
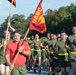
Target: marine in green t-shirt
37, 49
71, 42
61, 54
2, 54
37, 52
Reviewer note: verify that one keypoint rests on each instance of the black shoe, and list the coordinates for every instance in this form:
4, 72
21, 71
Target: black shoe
28, 68
34, 70
53, 73
49, 73
40, 70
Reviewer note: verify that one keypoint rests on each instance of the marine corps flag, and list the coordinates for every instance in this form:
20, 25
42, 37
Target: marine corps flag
38, 22
14, 2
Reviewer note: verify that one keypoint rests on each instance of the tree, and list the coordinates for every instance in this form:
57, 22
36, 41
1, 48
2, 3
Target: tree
48, 16
56, 21
18, 22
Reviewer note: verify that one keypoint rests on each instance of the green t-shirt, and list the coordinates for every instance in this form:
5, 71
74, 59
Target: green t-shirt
30, 42
2, 54
62, 51
49, 42
60, 47
71, 40
43, 41
36, 44
54, 41
2, 49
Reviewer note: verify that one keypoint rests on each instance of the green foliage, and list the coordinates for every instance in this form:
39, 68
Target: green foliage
63, 18
18, 22
56, 21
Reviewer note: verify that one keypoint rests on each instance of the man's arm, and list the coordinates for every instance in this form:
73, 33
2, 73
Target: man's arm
8, 59
27, 50
7, 55
9, 25
27, 53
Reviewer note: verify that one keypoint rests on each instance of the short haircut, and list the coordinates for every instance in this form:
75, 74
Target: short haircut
16, 32
74, 25
63, 31
48, 32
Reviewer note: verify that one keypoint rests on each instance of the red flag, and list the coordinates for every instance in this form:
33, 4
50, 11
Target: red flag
38, 22
14, 2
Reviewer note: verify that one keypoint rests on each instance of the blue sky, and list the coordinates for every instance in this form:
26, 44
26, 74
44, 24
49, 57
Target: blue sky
28, 6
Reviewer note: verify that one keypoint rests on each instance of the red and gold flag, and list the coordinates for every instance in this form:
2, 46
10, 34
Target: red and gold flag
14, 2
38, 22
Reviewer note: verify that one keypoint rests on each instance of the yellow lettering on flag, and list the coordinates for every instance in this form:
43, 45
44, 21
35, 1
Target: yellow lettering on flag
41, 19
38, 22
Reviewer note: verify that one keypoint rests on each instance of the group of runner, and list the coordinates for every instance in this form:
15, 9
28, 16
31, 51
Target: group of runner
59, 51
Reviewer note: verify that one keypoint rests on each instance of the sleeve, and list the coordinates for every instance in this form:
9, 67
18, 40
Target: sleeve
7, 51
27, 47
68, 41
56, 47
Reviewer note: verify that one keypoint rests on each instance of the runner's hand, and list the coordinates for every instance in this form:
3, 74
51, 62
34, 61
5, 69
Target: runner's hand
4, 43
11, 67
20, 50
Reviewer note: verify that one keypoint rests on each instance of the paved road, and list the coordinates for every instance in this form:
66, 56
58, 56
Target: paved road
44, 72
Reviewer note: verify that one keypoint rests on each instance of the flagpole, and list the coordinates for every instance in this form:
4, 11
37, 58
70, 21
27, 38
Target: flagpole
18, 51
23, 39
22, 42
7, 25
